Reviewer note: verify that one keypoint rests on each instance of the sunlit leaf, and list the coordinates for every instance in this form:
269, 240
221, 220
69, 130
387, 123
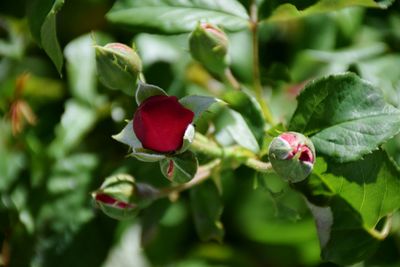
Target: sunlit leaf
42, 22
289, 11
162, 14
346, 117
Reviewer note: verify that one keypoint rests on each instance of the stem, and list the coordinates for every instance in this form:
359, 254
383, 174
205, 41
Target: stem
256, 66
231, 79
203, 145
202, 174
141, 77
258, 165
206, 146
380, 235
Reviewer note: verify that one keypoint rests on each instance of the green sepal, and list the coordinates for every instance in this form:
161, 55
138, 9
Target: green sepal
180, 168
127, 136
145, 91
187, 138
198, 104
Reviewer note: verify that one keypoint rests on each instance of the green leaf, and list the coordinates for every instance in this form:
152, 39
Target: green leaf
81, 68
76, 121
180, 168
198, 104
343, 239
346, 116
127, 136
13, 161
384, 73
289, 11
232, 128
207, 207
370, 185
42, 23
179, 16
248, 107
355, 197
145, 90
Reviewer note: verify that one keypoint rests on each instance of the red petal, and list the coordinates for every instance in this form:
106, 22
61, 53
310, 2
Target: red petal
160, 123
306, 154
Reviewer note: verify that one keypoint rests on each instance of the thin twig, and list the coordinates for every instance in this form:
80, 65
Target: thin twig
231, 79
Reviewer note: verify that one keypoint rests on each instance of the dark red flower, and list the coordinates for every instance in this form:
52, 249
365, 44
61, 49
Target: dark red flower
160, 123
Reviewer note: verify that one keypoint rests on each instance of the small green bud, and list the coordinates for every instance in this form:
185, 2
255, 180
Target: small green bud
118, 66
120, 197
292, 156
208, 44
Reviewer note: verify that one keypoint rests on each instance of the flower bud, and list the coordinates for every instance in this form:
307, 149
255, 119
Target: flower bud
118, 66
121, 198
292, 156
208, 44
160, 123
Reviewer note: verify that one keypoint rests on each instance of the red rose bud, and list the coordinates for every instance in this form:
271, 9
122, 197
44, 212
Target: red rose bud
118, 66
292, 156
121, 198
160, 123
208, 44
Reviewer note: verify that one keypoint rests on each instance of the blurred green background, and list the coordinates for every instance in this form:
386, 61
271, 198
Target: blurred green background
56, 145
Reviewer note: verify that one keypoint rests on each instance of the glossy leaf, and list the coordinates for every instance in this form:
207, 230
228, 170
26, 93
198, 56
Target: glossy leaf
162, 14
343, 239
384, 73
198, 104
180, 168
231, 126
346, 117
81, 68
248, 107
42, 23
355, 197
289, 11
76, 121
370, 185
207, 207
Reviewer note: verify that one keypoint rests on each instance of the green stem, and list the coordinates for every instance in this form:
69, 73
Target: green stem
203, 145
256, 66
231, 79
381, 235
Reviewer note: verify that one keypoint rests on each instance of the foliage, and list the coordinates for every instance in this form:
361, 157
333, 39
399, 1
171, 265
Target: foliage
324, 68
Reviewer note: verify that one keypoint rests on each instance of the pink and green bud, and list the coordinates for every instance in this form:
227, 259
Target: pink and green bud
208, 44
120, 197
118, 66
292, 156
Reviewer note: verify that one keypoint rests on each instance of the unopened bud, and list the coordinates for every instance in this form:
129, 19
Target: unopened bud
292, 156
208, 44
118, 66
120, 197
